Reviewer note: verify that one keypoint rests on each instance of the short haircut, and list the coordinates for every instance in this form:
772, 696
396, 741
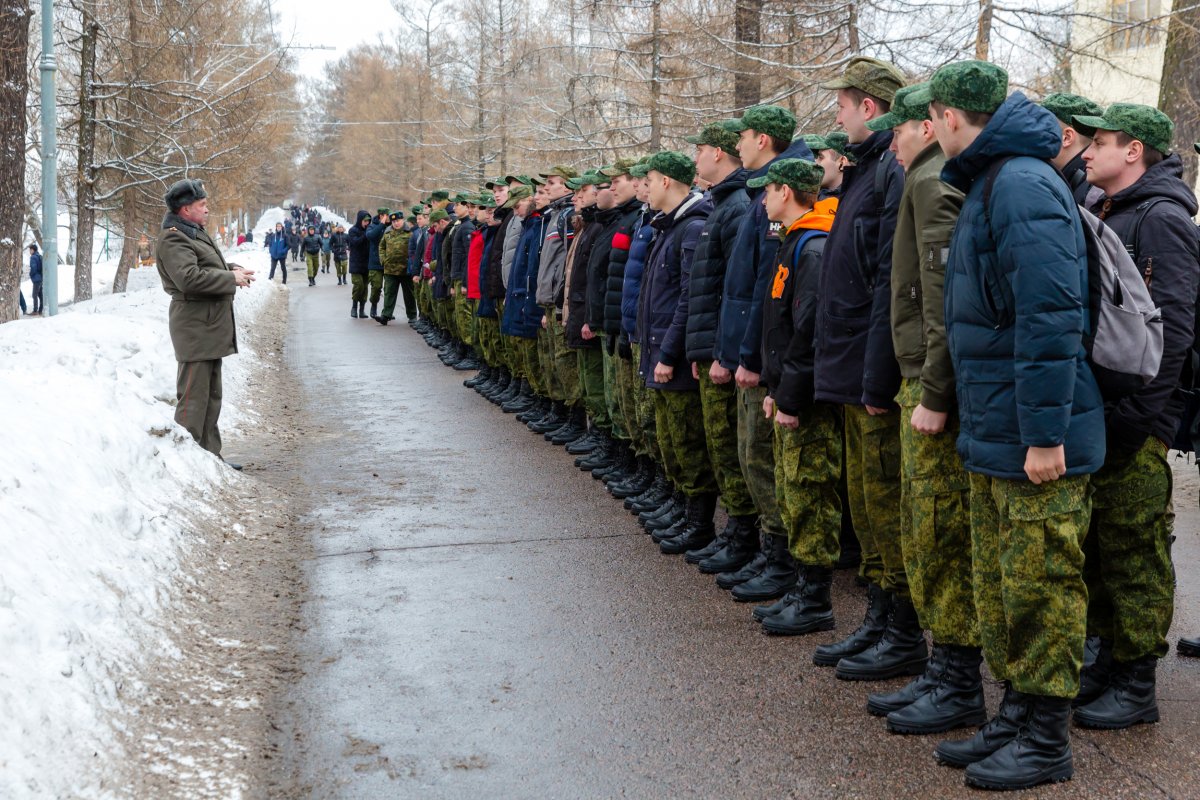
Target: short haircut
808, 199
979, 119
859, 95
780, 145
1150, 156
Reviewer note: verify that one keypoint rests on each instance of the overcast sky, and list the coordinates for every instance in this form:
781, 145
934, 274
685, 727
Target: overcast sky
337, 25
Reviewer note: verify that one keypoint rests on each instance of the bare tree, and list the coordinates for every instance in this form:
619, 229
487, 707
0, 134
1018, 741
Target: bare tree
14, 90
1179, 93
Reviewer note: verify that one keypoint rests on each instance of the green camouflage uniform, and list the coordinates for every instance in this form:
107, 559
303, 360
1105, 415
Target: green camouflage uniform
545, 350
566, 363
756, 454
393, 254
935, 526
1131, 590
591, 384
1028, 575
626, 381
873, 488
643, 404
611, 367
314, 263
680, 427
719, 404
464, 315
808, 467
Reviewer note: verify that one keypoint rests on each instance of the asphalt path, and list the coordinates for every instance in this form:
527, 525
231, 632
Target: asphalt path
483, 620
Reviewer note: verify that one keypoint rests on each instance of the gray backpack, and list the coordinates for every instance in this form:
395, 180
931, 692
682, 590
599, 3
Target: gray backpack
1125, 344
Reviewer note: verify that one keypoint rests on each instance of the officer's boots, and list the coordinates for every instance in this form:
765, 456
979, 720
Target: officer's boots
740, 547
1128, 700
698, 531
879, 606
807, 608
952, 699
777, 577
354, 309
1039, 752
901, 650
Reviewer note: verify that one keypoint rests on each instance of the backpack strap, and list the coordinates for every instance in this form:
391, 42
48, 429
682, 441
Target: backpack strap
1135, 241
881, 173
805, 238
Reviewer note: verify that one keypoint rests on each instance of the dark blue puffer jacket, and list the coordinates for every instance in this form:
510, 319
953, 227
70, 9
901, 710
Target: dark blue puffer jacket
631, 284
277, 245
374, 234
522, 314
750, 269
487, 305
1016, 303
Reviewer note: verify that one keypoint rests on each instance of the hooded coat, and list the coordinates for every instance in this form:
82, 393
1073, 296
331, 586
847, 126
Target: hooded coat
730, 202
1016, 303
522, 315
360, 248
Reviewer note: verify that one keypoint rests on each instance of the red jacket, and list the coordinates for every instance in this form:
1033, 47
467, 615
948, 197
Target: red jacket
474, 259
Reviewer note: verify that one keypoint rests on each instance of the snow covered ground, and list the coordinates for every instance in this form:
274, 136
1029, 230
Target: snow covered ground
93, 474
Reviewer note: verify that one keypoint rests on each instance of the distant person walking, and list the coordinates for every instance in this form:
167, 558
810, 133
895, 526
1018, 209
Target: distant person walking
277, 246
202, 287
35, 275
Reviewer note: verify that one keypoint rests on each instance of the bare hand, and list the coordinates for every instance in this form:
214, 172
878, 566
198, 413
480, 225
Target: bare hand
663, 373
695, 370
545, 324
718, 374
586, 333
242, 277
746, 379
928, 422
875, 411
1045, 464
768, 406
786, 420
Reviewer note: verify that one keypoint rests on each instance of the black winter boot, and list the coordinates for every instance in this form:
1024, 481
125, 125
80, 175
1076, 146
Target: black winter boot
1189, 647
810, 608
1039, 753
879, 605
750, 570
666, 515
1129, 699
699, 530
695, 556
586, 443
521, 401
374, 309
637, 483
470, 361
555, 417
676, 528
955, 700
739, 550
604, 455
354, 309
481, 378
659, 489
362, 310
539, 409
1096, 673
622, 465
575, 427
497, 387
900, 651
777, 577
880, 704
997, 732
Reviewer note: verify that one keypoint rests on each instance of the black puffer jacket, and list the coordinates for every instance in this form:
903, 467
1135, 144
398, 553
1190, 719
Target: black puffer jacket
360, 248
493, 281
597, 269
460, 248
789, 339
1168, 254
622, 238
577, 280
730, 202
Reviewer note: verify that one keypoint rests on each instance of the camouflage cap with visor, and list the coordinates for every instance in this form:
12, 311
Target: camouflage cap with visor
716, 135
976, 86
903, 109
877, 78
1147, 124
525, 179
517, 194
795, 173
485, 200
1067, 106
641, 168
674, 165
617, 168
439, 194
561, 171
438, 215
775, 121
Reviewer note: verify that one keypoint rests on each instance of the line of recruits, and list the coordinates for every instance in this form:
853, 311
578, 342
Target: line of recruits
889, 319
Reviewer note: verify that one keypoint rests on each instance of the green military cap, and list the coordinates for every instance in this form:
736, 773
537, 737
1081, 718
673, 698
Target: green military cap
412, 220
463, 197
978, 86
674, 165
561, 171
485, 200
439, 194
814, 142
573, 183
640, 169
492, 184
417, 209
716, 135
525, 179
385, 210
592, 178
438, 215
1147, 124
795, 173
395, 215
877, 78
517, 194
903, 109
775, 121
840, 142
1067, 106
619, 167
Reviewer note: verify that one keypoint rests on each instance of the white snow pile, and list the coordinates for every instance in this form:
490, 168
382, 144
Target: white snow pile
266, 223
93, 472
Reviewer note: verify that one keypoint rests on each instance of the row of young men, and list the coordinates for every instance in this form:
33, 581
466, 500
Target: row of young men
321, 246
906, 312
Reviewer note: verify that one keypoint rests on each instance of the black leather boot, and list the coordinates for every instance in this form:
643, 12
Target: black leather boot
652, 498
677, 527
699, 530
750, 570
1189, 647
954, 701
586, 443
997, 732
604, 455
483, 377
470, 361
554, 419
1129, 699
622, 466
719, 541
522, 401
374, 310
1096, 673
1039, 753
879, 605
362, 310
666, 515
777, 577
900, 651
810, 608
510, 391
572, 429
354, 309
637, 483
539, 409
880, 704
739, 550
498, 387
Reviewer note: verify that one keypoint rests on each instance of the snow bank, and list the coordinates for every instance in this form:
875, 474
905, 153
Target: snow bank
266, 223
93, 473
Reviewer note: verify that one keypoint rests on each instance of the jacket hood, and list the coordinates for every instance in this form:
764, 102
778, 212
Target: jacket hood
1164, 179
694, 204
734, 181
1018, 128
798, 150
362, 214
821, 216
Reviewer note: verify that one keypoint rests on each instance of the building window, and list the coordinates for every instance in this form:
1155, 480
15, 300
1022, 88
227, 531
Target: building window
1136, 23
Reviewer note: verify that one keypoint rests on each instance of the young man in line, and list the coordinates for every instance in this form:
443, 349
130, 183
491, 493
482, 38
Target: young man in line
393, 254
1065, 107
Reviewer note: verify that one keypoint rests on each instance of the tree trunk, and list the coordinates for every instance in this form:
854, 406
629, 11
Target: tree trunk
655, 77
85, 188
129, 239
852, 24
747, 79
983, 33
14, 91
1179, 95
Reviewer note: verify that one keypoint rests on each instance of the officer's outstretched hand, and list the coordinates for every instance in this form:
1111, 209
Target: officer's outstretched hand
1045, 464
242, 277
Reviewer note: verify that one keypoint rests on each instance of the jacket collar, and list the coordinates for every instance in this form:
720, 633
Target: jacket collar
189, 229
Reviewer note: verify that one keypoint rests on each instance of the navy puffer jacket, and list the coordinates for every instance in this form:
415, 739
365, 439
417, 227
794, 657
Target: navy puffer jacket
635, 266
522, 314
730, 202
1016, 303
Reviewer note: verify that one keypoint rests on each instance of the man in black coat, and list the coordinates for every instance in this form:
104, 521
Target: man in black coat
360, 254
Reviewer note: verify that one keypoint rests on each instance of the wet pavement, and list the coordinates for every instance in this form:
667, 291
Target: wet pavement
484, 621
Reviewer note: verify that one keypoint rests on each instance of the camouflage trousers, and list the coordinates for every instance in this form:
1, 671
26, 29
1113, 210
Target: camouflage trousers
375, 281
1127, 554
313, 261
591, 385
756, 454
464, 315
611, 393
935, 526
358, 287
808, 466
424, 299
545, 351
443, 314
629, 384
680, 427
530, 369
340, 264
565, 361
1027, 552
488, 329
719, 403
873, 488
643, 411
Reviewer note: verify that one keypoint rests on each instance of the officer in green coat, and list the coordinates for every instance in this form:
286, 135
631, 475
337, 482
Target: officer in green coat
393, 254
201, 286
